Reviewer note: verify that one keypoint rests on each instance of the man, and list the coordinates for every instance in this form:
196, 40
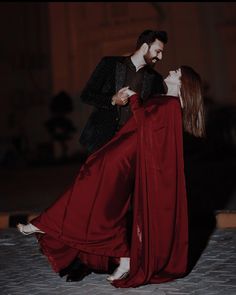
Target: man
107, 86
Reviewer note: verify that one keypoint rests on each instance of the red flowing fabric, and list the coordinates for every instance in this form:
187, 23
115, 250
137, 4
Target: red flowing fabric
145, 158
159, 244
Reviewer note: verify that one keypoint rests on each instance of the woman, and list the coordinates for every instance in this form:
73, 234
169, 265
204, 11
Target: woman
144, 160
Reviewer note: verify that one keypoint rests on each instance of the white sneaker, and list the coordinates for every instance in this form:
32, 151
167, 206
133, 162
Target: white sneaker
122, 271
28, 229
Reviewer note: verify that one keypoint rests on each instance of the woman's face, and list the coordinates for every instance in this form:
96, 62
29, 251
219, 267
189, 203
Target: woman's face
173, 78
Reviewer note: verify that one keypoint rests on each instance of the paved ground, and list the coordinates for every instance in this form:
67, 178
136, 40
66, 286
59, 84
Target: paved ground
23, 270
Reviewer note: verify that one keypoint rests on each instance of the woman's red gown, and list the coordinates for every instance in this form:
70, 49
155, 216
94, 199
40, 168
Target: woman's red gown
141, 166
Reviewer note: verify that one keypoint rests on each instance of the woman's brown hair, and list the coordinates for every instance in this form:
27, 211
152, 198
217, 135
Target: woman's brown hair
193, 105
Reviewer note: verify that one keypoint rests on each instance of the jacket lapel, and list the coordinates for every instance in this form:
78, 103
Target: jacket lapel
120, 75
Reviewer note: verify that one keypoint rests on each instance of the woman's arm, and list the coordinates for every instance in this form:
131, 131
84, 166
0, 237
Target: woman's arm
136, 106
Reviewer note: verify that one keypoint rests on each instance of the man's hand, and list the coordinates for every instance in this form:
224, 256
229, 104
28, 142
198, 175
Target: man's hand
121, 97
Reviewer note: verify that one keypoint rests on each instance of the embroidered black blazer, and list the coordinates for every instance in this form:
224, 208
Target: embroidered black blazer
108, 77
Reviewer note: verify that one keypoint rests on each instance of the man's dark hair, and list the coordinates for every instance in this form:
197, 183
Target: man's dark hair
149, 36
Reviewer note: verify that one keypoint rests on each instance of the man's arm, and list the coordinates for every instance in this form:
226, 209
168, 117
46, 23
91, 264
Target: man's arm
100, 88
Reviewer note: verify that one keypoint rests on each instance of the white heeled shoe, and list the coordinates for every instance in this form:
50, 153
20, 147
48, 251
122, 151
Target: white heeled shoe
28, 229
122, 271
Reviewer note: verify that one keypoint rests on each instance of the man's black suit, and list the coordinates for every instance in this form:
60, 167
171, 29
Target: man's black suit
108, 78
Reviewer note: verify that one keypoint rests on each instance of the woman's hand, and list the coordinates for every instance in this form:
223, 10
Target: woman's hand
121, 97
129, 92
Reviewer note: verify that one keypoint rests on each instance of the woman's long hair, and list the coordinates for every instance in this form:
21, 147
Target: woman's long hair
193, 105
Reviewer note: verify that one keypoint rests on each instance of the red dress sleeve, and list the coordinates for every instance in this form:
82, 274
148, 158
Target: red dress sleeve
159, 245
137, 108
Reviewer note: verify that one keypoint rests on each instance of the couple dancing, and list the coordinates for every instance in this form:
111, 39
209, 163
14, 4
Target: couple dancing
142, 166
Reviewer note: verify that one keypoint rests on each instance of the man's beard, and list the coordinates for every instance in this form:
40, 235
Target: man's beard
150, 61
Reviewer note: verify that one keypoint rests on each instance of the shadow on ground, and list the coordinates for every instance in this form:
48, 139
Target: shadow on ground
210, 171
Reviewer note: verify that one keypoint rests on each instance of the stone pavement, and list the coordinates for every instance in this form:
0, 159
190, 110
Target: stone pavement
24, 270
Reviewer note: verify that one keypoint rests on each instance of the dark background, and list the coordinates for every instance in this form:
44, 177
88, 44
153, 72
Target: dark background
47, 53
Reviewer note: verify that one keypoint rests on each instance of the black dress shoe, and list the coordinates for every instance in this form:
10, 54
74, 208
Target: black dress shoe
74, 265
76, 275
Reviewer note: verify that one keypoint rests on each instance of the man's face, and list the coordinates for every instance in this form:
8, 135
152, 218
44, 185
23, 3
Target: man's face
154, 53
